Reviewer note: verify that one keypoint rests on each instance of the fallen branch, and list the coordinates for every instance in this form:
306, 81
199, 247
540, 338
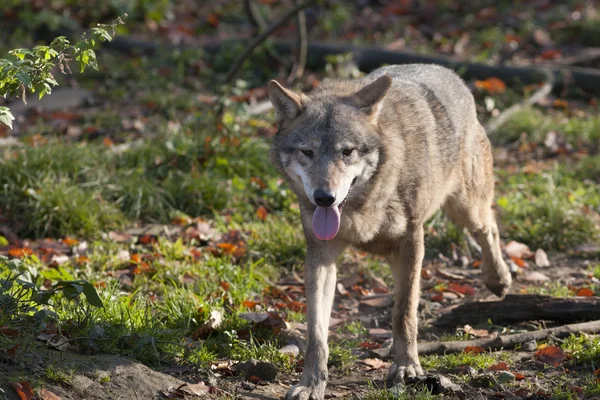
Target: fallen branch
518, 308
493, 124
263, 36
509, 341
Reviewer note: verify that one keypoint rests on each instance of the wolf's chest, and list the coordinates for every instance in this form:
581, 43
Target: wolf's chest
374, 230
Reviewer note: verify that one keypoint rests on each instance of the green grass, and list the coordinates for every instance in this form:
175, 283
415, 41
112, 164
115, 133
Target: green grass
449, 362
405, 393
555, 289
583, 349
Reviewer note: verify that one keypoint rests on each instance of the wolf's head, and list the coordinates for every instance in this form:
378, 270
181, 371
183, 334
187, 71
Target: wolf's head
329, 144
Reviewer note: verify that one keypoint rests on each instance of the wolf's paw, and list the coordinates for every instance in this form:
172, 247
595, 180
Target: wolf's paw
311, 392
498, 285
399, 373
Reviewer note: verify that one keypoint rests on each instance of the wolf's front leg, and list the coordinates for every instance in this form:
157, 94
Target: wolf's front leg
406, 268
319, 280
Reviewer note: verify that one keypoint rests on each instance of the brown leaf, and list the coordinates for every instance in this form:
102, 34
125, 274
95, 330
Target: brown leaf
474, 350
585, 292
23, 390
519, 261
491, 85
462, 288
195, 389
501, 366
551, 355
476, 332
367, 344
262, 213
9, 332
551, 54
19, 252
519, 376
375, 363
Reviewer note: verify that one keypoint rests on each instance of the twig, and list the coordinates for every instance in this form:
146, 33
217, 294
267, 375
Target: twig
300, 64
492, 126
509, 341
262, 36
259, 23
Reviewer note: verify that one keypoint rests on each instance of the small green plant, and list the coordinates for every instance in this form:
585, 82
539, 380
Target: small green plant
56, 375
340, 354
30, 70
20, 292
583, 349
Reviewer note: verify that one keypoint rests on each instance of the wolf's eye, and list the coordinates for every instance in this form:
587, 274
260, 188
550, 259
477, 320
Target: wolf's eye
347, 152
307, 153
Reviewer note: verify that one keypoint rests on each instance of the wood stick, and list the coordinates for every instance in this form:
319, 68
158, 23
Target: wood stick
509, 341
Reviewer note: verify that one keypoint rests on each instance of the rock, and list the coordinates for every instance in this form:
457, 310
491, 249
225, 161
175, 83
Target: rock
290, 349
505, 377
541, 259
529, 346
264, 370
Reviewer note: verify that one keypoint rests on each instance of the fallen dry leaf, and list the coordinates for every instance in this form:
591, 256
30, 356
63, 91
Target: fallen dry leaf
585, 292
551, 355
491, 85
473, 350
19, 252
462, 288
375, 363
501, 366
476, 332
9, 332
262, 213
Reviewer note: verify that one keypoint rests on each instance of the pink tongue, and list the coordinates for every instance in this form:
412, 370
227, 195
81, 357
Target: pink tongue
326, 222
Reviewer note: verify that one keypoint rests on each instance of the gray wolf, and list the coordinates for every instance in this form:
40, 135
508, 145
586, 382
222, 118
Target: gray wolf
370, 160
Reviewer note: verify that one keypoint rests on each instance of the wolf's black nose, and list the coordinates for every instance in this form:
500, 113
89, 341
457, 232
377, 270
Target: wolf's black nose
323, 199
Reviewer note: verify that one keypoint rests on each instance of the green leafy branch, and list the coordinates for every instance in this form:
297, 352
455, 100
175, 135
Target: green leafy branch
30, 70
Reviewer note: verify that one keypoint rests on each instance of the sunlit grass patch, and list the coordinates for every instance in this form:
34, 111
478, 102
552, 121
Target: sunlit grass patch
550, 210
583, 349
449, 362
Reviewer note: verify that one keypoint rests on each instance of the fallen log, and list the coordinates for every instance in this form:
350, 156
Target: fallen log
369, 58
523, 307
508, 342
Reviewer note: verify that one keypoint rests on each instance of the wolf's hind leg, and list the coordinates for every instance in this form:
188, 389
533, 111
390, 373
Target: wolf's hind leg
471, 207
406, 268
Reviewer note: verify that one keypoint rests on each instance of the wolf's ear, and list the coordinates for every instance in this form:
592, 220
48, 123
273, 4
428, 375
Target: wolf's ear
370, 96
287, 104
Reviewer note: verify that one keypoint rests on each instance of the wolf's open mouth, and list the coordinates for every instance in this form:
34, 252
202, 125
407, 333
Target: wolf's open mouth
326, 220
